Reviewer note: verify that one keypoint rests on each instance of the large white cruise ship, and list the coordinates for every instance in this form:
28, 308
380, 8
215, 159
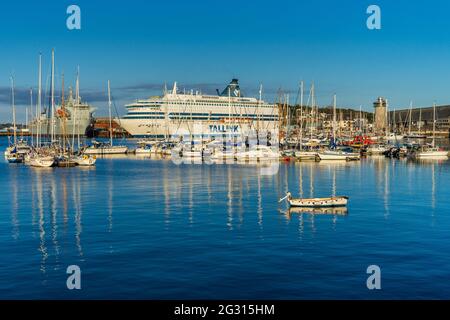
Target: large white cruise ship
197, 115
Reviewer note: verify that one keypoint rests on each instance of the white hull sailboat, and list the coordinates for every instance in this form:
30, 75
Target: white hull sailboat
432, 152
436, 153
103, 148
42, 161
338, 155
305, 155
85, 160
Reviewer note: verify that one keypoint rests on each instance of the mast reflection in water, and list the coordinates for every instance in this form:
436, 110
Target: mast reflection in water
144, 228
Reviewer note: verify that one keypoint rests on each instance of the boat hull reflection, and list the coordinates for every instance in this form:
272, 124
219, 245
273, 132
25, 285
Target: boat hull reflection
340, 211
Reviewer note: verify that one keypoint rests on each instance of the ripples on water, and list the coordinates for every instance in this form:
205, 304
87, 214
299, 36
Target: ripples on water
143, 228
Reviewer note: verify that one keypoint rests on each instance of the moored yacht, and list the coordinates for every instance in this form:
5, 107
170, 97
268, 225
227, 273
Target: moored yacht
107, 148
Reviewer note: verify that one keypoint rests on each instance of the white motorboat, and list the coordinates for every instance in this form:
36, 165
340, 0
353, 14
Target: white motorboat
14, 157
340, 201
144, 149
375, 149
85, 160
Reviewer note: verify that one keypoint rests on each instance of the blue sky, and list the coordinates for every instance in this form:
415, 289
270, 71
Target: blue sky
140, 45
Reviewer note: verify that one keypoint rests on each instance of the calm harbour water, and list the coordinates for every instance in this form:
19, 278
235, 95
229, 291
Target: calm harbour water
143, 228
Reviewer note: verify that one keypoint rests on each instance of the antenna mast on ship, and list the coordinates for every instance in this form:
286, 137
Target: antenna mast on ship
77, 86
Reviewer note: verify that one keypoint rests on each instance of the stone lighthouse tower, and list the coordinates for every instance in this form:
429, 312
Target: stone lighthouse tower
380, 120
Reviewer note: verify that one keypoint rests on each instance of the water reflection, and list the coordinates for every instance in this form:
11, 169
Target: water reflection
59, 199
338, 211
51, 198
14, 207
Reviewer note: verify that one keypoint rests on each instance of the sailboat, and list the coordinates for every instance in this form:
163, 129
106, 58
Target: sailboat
42, 161
303, 154
41, 157
337, 154
392, 136
12, 154
432, 151
105, 148
415, 135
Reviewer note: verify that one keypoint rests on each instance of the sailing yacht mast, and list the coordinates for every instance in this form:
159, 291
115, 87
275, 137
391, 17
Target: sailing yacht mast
334, 119
52, 128
31, 111
410, 118
301, 115
229, 113
74, 121
394, 125
63, 116
39, 105
288, 118
257, 110
420, 120
360, 120
110, 116
387, 119
77, 104
312, 110
434, 123
13, 103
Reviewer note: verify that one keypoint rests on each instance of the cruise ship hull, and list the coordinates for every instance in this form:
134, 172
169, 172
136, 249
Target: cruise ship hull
156, 128
223, 116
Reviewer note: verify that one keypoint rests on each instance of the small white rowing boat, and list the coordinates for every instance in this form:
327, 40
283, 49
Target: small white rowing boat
340, 201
